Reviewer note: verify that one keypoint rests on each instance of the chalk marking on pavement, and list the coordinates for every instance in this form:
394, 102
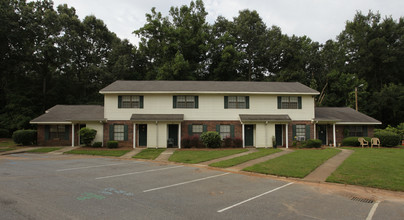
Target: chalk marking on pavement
105, 165
373, 210
139, 172
191, 181
252, 198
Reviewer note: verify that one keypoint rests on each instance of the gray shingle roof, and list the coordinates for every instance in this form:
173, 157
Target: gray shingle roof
343, 115
252, 117
157, 117
208, 86
68, 113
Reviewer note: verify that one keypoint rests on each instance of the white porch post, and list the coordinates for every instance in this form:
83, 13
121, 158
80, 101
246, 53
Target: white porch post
157, 134
287, 136
334, 135
72, 134
134, 135
315, 134
242, 134
179, 136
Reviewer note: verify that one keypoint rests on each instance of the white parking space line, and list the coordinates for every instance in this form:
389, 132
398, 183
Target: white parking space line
105, 165
191, 181
252, 198
139, 172
373, 210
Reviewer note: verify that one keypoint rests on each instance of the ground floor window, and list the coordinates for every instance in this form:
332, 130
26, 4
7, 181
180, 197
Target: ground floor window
357, 131
197, 129
119, 132
300, 132
224, 131
57, 132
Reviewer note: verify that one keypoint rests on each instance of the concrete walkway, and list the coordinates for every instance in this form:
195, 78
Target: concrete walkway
64, 149
250, 150
166, 154
327, 168
259, 160
131, 153
20, 150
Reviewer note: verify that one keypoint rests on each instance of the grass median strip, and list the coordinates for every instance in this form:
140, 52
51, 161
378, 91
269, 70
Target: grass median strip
245, 158
7, 143
113, 153
44, 150
198, 156
149, 154
378, 167
296, 164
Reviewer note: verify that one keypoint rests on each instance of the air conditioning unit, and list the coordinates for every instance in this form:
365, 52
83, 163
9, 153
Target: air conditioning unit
301, 138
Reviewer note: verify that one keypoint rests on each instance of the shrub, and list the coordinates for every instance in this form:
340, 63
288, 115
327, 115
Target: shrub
24, 137
211, 139
195, 141
186, 142
312, 143
388, 138
97, 144
228, 142
87, 135
4, 133
112, 144
353, 141
237, 143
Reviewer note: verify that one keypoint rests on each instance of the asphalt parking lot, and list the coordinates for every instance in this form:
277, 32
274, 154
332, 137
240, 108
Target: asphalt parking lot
43, 186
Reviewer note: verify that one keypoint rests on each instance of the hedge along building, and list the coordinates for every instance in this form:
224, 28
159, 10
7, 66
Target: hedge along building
159, 114
60, 124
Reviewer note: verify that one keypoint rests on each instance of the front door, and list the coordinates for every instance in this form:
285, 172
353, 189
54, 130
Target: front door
249, 135
143, 135
322, 133
172, 136
278, 135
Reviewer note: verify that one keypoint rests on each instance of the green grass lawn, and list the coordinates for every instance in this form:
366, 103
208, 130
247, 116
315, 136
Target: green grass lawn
113, 153
245, 158
296, 164
44, 150
378, 167
7, 149
7, 143
149, 154
197, 156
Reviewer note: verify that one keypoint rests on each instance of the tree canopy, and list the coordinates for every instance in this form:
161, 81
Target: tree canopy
49, 56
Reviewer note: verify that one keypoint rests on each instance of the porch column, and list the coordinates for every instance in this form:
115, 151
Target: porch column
334, 135
179, 136
315, 133
242, 134
72, 134
266, 134
134, 135
287, 136
157, 134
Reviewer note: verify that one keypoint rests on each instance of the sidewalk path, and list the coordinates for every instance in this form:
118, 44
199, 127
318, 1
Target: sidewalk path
250, 150
64, 149
131, 153
259, 160
327, 168
166, 154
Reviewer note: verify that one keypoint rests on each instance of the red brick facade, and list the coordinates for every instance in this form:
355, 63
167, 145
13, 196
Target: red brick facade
129, 142
211, 126
57, 142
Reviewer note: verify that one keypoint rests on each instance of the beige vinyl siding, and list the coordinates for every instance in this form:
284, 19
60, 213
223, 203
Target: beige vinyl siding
99, 128
211, 107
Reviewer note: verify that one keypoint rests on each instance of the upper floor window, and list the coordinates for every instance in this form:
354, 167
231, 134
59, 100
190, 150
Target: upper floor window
185, 101
242, 102
130, 101
289, 102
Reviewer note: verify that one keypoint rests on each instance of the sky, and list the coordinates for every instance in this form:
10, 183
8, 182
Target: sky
320, 20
